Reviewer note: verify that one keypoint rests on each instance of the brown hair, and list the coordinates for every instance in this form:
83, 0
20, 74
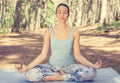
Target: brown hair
62, 4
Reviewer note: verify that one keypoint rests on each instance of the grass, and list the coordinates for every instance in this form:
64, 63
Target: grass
109, 26
5, 31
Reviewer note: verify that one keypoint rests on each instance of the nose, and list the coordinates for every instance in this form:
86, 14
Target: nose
62, 14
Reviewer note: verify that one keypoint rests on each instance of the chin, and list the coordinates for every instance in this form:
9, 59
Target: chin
62, 20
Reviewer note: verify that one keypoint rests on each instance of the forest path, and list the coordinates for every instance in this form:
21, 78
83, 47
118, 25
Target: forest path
25, 46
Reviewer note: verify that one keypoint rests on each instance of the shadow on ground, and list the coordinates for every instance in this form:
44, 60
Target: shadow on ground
24, 47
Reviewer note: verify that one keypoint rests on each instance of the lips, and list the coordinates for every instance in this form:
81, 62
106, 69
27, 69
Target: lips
61, 18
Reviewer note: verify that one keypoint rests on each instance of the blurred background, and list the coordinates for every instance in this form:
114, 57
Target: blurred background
23, 23
17, 15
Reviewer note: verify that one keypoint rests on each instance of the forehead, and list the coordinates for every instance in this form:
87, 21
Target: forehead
62, 8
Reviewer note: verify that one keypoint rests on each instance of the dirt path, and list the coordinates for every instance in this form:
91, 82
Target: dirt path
24, 47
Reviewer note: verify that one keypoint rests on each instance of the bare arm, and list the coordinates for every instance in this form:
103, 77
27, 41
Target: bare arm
40, 58
77, 54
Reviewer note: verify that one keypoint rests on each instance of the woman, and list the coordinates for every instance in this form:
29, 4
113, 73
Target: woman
64, 42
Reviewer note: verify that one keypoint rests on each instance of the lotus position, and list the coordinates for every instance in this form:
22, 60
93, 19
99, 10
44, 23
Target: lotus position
64, 43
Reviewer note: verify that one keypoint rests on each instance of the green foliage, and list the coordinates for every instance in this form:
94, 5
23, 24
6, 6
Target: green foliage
74, 4
47, 14
9, 22
108, 26
49, 19
24, 1
5, 30
117, 25
102, 28
10, 10
50, 16
8, 19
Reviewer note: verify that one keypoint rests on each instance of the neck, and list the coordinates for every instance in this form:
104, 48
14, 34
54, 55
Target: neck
61, 25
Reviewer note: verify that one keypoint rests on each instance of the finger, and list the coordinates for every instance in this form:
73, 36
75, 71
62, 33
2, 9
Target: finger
18, 69
22, 68
100, 61
16, 66
97, 62
21, 65
104, 65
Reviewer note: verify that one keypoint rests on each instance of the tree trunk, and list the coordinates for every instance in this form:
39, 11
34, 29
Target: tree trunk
37, 14
82, 12
16, 26
3, 13
0, 12
25, 24
90, 12
44, 16
37, 23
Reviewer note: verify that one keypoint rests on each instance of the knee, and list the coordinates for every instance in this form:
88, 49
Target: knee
34, 75
92, 74
88, 74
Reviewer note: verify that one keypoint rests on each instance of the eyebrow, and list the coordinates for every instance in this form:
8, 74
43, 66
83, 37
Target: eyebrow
61, 10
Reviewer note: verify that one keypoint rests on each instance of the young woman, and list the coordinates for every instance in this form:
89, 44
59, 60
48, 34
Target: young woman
64, 43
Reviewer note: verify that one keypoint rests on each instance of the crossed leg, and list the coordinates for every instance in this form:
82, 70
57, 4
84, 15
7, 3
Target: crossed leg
58, 76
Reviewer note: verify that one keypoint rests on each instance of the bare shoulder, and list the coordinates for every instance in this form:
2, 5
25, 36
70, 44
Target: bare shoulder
47, 32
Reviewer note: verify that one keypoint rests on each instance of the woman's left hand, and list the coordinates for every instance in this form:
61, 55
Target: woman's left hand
99, 64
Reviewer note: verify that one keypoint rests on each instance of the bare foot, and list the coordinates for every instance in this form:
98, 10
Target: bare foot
61, 72
55, 77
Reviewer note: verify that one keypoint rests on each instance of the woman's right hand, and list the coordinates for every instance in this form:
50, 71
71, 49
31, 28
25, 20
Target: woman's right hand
21, 67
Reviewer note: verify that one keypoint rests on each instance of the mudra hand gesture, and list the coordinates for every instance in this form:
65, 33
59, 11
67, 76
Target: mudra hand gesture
99, 63
21, 67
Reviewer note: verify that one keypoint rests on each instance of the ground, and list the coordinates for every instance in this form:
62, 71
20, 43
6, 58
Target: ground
25, 46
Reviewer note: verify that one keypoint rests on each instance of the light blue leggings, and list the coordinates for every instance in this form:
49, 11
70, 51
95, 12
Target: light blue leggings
73, 72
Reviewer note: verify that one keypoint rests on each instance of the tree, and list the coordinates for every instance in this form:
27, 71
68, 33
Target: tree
16, 26
34, 14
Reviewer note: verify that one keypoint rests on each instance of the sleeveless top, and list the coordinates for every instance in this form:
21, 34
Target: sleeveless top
61, 50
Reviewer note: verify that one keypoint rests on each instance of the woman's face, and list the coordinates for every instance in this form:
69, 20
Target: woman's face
62, 13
